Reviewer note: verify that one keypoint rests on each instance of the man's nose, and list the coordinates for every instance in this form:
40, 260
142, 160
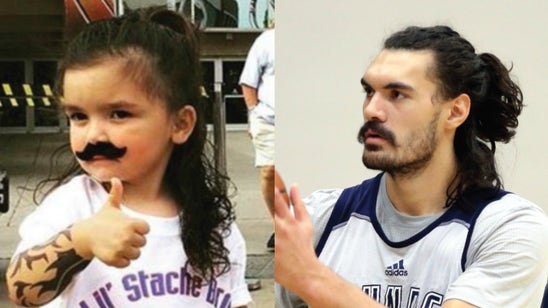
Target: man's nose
373, 108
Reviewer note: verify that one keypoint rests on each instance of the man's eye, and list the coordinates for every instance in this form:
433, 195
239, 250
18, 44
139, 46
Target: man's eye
368, 91
120, 114
397, 94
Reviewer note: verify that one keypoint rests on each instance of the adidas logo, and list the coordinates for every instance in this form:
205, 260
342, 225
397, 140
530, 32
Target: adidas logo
396, 269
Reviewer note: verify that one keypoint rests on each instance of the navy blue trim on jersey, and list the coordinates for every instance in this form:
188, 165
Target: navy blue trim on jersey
362, 200
480, 201
544, 303
355, 199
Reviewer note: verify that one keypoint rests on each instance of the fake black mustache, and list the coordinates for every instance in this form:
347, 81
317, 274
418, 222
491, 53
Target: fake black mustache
105, 149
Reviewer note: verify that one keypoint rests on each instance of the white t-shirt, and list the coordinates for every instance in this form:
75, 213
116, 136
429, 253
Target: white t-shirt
496, 259
158, 278
259, 73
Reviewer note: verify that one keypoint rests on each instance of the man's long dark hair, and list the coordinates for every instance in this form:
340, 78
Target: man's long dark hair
496, 102
160, 48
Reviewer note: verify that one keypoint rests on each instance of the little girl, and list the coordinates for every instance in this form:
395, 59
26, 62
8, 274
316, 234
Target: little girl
143, 220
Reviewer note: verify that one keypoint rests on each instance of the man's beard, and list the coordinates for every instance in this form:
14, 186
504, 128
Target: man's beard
416, 152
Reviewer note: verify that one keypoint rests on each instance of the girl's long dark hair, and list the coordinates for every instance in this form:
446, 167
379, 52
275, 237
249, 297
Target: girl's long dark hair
160, 48
496, 102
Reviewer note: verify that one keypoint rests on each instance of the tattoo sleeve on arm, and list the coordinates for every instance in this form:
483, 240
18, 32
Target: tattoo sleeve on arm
41, 273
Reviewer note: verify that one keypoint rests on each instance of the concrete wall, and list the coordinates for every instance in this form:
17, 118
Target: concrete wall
324, 47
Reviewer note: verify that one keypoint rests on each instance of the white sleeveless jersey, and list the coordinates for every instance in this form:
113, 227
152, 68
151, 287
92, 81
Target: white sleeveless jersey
427, 268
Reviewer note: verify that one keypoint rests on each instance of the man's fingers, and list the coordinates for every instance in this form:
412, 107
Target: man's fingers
298, 205
279, 183
281, 208
115, 194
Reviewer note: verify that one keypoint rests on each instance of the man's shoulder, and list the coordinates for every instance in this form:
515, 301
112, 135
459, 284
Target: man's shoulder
509, 219
329, 197
512, 207
510, 232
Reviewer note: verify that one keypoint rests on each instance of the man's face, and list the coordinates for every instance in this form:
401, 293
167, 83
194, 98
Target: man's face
401, 129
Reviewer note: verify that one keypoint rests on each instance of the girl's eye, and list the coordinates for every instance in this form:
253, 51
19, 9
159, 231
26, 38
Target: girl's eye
120, 114
77, 116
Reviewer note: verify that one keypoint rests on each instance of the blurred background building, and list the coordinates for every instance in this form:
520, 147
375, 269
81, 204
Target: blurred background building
33, 34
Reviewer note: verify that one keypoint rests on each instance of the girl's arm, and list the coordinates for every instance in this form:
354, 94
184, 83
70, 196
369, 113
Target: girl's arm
39, 274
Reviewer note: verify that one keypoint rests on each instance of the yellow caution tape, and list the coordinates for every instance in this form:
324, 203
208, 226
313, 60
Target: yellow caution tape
7, 89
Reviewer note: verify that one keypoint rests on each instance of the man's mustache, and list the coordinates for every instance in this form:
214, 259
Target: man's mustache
105, 149
378, 129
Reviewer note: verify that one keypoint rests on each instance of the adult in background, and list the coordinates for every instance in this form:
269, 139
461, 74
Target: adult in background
257, 81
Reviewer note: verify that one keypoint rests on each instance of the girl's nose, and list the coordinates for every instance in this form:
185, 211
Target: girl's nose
96, 132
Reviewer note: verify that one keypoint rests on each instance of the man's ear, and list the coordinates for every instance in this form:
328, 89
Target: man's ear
183, 124
459, 111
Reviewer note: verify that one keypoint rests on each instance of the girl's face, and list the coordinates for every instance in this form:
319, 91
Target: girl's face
104, 105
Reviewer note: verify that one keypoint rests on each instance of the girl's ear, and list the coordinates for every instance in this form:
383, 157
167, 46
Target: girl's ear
183, 124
